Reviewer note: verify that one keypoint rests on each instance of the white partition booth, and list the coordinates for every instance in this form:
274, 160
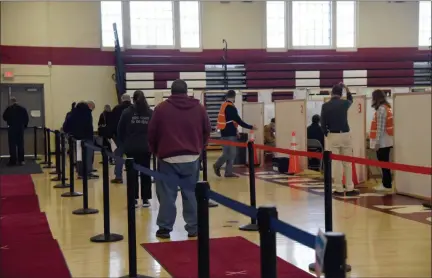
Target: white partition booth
412, 142
291, 118
253, 114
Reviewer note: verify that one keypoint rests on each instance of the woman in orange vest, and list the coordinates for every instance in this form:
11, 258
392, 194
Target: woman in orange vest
227, 122
381, 135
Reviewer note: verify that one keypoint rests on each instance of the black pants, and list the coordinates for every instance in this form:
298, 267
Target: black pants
383, 154
143, 159
16, 145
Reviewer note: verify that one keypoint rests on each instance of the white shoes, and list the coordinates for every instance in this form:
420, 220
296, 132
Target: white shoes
382, 188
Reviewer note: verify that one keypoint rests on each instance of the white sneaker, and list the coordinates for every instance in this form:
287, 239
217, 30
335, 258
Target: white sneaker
381, 188
145, 204
136, 204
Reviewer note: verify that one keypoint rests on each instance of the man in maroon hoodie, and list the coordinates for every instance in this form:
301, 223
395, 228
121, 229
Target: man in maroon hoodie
177, 134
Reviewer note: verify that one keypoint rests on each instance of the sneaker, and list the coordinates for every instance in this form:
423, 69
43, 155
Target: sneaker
338, 194
94, 170
216, 170
352, 193
145, 203
117, 181
231, 176
92, 176
163, 233
192, 235
136, 204
21, 163
381, 188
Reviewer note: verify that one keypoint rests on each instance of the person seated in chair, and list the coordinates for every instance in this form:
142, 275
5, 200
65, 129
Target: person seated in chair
269, 133
314, 132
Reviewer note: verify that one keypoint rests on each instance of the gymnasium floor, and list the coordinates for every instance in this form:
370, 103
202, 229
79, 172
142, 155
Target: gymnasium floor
381, 242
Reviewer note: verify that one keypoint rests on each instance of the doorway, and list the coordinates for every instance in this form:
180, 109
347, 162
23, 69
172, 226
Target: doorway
30, 96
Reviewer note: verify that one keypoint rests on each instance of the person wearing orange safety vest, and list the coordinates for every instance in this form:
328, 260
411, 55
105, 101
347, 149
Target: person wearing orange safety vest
227, 122
381, 135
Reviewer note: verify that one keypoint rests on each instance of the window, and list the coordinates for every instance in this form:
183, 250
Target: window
111, 12
190, 24
152, 23
311, 24
275, 12
425, 29
345, 24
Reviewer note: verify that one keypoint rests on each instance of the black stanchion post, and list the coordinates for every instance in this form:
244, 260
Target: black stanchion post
131, 181
58, 157
48, 152
85, 209
202, 191
35, 143
328, 199
335, 255
267, 241
253, 226
71, 192
63, 183
205, 174
107, 236
45, 146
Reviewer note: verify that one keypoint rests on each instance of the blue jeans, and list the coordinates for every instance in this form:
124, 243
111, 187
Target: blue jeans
167, 194
228, 156
118, 168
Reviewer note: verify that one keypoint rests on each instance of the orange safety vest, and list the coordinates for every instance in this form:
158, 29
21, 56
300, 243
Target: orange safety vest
388, 124
221, 120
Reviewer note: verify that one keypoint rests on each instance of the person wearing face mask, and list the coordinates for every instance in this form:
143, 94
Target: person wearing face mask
227, 122
334, 122
381, 135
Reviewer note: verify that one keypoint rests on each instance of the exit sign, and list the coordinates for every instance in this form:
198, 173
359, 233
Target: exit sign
8, 74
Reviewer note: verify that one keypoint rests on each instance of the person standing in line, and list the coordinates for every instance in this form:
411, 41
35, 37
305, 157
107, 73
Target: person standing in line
119, 151
103, 129
17, 119
132, 133
334, 122
178, 132
81, 128
381, 135
227, 122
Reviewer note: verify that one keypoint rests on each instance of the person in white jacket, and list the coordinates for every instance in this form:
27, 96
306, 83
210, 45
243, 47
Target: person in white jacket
381, 135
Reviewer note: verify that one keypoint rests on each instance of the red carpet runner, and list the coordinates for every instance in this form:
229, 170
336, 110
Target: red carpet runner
229, 257
27, 247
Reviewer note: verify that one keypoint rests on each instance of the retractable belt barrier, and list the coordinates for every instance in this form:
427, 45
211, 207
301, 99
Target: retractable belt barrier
267, 221
359, 160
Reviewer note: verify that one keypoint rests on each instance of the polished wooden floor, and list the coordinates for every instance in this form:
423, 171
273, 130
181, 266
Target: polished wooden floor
379, 244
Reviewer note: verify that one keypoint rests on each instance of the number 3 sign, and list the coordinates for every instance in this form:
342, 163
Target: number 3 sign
359, 108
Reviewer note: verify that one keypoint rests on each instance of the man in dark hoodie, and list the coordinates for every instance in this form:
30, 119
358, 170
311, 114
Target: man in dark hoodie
177, 134
116, 114
80, 125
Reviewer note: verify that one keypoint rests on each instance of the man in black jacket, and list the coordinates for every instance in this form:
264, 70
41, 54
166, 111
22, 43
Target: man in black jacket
119, 151
334, 122
228, 120
17, 120
80, 125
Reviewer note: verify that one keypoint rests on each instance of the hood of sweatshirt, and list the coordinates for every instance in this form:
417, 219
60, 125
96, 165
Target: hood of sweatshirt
183, 101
